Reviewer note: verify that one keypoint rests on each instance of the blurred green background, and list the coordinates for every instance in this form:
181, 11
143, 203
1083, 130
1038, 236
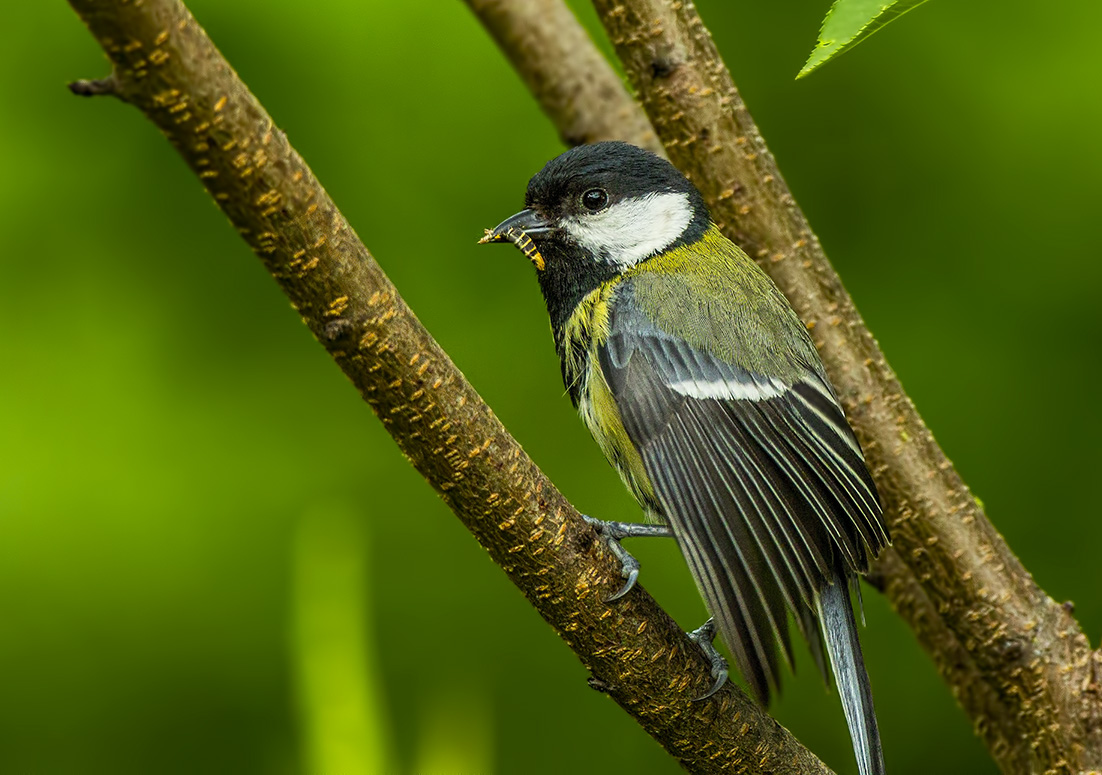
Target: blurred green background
213, 559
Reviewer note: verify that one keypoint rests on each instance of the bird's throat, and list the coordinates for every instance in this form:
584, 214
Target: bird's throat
568, 277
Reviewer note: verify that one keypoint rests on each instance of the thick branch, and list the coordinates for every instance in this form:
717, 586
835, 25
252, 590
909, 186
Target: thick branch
165, 65
1017, 660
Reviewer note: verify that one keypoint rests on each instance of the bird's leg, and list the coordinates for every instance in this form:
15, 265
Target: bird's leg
612, 532
703, 637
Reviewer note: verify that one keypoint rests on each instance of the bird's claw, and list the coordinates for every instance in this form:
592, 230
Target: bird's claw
703, 637
612, 532
629, 571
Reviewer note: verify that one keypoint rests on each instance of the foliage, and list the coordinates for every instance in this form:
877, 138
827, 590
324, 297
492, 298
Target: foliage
848, 22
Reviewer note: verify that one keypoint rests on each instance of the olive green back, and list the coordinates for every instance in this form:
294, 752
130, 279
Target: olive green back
711, 294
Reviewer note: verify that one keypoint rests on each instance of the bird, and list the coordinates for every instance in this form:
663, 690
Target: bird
705, 391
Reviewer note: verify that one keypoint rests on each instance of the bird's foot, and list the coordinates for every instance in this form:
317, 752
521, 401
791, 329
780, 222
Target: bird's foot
612, 532
703, 637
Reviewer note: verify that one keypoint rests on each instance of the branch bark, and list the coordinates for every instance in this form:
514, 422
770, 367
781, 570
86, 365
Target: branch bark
1015, 659
164, 64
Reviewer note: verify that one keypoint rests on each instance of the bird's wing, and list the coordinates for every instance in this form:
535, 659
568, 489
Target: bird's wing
761, 479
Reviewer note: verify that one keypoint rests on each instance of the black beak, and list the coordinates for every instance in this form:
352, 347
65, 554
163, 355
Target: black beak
527, 221
519, 229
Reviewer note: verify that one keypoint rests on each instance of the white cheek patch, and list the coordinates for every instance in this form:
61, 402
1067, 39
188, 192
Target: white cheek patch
758, 390
632, 229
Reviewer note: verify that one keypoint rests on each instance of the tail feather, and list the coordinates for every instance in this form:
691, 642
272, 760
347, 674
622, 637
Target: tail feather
840, 632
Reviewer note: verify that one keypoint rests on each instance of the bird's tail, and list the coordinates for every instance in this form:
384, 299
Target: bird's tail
840, 632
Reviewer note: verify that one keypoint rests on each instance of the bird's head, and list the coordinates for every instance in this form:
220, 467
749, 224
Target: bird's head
609, 204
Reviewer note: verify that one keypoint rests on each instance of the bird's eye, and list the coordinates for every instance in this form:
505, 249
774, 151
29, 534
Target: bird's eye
595, 199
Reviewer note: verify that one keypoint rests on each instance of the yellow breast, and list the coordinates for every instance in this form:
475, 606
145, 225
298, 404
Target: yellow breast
584, 333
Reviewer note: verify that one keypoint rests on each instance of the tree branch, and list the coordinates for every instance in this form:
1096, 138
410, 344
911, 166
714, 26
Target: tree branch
164, 64
586, 102
1016, 660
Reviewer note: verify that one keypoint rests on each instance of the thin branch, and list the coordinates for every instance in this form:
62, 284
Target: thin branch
94, 87
587, 103
165, 65
1016, 660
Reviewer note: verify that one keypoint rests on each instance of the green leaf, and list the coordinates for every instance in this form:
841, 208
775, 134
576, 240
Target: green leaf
851, 21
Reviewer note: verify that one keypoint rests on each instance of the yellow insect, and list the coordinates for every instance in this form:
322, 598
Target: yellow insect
521, 240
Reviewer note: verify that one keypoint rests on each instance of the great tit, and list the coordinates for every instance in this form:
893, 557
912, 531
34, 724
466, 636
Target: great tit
705, 391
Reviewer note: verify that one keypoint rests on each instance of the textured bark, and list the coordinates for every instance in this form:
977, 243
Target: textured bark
164, 64
1016, 660
586, 103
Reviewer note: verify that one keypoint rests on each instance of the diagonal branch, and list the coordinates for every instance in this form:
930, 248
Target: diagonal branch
1016, 660
164, 64
586, 102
